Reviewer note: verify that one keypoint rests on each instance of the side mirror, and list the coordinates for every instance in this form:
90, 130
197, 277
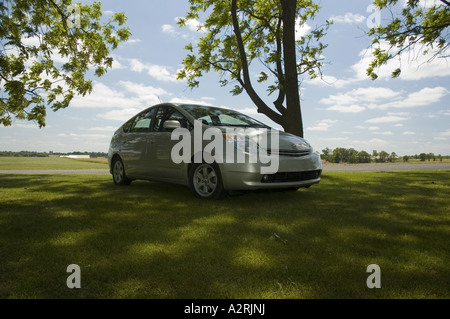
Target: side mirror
171, 125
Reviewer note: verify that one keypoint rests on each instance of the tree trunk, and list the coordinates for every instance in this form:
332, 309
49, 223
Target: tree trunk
292, 119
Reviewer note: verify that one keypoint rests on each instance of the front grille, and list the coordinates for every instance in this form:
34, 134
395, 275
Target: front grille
288, 153
291, 177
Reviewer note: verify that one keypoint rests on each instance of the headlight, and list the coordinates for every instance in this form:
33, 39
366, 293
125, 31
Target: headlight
242, 143
303, 147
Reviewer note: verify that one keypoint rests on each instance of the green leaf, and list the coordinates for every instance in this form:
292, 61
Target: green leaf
29, 77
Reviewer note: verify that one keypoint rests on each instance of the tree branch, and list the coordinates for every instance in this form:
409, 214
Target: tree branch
282, 92
246, 82
63, 16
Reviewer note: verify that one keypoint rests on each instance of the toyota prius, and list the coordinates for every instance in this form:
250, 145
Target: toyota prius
210, 150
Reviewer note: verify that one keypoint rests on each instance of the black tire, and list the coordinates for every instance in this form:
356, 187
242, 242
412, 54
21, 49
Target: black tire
205, 181
118, 173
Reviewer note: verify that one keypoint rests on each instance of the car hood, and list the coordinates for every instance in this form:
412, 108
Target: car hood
268, 138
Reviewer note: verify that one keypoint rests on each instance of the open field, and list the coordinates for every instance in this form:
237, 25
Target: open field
45, 165
155, 240
49, 163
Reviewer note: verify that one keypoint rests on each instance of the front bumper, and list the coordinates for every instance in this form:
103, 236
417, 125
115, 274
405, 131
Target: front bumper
292, 172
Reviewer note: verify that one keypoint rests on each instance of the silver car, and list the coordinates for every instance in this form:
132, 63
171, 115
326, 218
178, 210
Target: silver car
211, 150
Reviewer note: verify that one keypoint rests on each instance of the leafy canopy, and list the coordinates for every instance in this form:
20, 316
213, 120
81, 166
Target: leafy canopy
417, 25
46, 51
235, 34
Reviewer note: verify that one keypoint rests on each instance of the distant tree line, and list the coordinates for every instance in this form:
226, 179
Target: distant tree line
428, 157
45, 154
344, 155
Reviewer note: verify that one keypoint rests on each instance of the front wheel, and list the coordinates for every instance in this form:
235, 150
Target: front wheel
119, 175
205, 181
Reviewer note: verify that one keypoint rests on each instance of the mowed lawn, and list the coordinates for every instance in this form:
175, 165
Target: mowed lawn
45, 163
155, 240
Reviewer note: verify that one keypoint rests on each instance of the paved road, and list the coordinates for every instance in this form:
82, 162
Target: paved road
381, 167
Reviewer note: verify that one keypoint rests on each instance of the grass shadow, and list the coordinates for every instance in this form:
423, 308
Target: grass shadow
155, 240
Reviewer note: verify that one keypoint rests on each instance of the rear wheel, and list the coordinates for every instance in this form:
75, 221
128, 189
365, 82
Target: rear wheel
205, 181
118, 172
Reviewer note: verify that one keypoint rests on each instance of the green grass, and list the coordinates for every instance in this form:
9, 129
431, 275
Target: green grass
44, 163
155, 240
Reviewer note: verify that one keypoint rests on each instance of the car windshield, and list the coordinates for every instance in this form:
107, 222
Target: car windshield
221, 117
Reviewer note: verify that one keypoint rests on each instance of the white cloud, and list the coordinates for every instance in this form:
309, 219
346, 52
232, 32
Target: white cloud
322, 125
120, 115
415, 65
444, 135
348, 18
374, 94
192, 25
88, 136
108, 128
301, 29
347, 108
116, 65
188, 101
387, 119
327, 81
27, 125
127, 95
408, 133
144, 92
133, 40
167, 28
339, 99
333, 139
383, 133
377, 142
426, 96
208, 98
399, 113
103, 96
136, 65
159, 72
425, 3
358, 100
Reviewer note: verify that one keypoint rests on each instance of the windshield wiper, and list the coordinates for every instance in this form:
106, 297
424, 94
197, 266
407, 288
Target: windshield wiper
242, 125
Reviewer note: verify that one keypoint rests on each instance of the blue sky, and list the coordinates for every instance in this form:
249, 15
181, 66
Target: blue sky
408, 115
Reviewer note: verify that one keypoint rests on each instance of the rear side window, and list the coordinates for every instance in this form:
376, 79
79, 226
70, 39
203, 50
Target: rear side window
142, 122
